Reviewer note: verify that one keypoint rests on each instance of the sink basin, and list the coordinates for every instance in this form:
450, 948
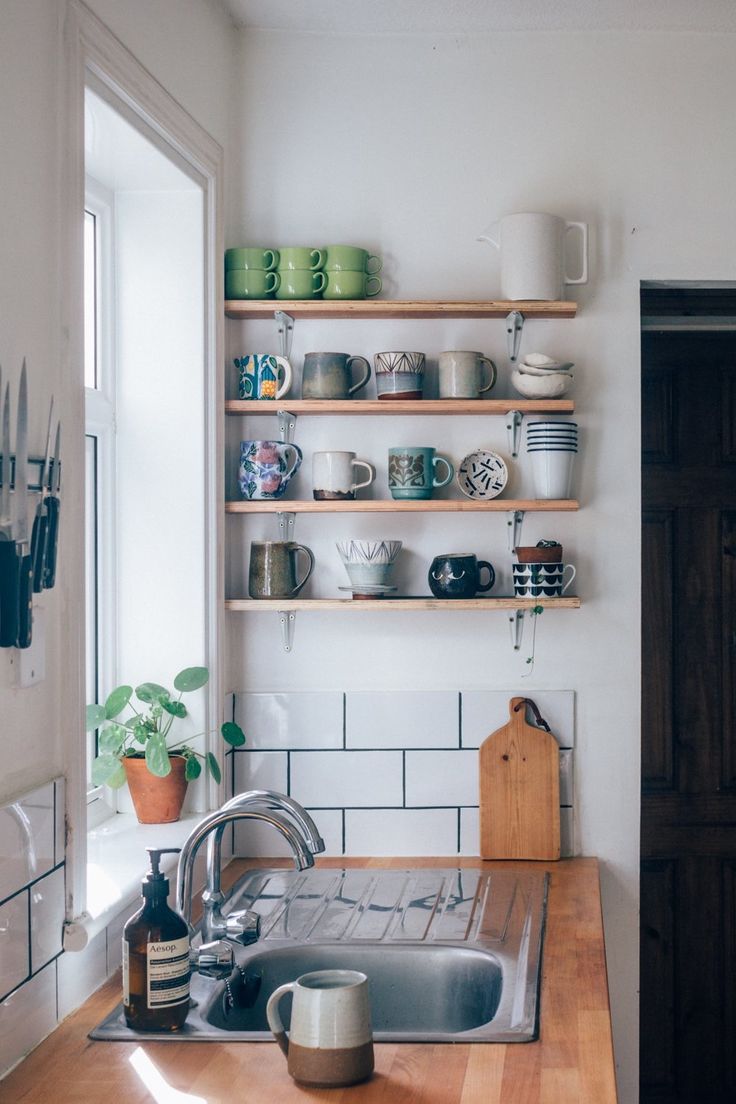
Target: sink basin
451, 955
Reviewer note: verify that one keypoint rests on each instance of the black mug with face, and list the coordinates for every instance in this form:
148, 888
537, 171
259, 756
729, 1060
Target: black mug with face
457, 575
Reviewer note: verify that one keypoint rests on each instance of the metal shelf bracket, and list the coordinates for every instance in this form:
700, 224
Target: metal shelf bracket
516, 625
286, 526
285, 325
514, 418
514, 327
287, 619
514, 521
287, 425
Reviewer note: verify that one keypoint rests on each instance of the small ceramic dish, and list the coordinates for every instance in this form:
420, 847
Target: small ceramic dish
551, 386
366, 591
482, 475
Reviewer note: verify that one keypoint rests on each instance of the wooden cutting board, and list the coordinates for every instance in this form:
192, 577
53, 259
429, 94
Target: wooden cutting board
519, 791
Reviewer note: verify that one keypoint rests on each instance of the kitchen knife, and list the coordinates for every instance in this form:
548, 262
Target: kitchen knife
53, 507
20, 530
40, 522
8, 558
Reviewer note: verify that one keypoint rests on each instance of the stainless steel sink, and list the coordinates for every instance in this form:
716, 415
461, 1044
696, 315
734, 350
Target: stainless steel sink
451, 955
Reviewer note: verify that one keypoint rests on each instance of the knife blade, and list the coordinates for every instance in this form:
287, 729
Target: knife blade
8, 558
40, 521
21, 534
53, 508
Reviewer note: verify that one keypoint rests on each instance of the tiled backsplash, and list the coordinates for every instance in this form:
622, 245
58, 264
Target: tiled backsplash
386, 772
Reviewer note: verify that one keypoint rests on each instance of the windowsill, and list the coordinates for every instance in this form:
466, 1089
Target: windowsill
116, 864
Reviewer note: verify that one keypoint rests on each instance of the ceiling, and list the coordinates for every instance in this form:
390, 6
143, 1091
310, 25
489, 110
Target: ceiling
478, 16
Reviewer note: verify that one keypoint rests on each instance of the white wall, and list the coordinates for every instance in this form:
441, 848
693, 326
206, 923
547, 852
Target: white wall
411, 145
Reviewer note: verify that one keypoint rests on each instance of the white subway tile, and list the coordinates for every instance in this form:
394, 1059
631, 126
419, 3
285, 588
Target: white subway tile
469, 831
401, 832
567, 833
47, 918
402, 719
442, 777
60, 821
329, 822
14, 942
566, 779
484, 711
261, 770
346, 778
80, 973
298, 719
26, 839
27, 1016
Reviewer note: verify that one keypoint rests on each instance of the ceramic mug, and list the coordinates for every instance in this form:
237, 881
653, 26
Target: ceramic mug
300, 284
329, 375
399, 375
330, 1040
541, 580
412, 472
267, 467
347, 284
298, 257
334, 475
273, 570
251, 283
259, 376
461, 374
351, 258
266, 259
457, 575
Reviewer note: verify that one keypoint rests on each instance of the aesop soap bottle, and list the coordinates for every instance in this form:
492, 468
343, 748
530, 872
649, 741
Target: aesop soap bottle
156, 958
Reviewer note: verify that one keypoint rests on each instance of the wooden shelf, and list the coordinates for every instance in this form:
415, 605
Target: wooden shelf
407, 505
397, 308
398, 406
276, 605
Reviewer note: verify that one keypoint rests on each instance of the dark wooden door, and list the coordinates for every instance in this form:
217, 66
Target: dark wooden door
688, 833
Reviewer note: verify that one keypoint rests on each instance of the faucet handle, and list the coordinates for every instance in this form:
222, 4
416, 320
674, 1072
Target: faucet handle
215, 960
243, 926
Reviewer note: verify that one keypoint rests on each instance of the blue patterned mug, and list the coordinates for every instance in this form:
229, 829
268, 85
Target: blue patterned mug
259, 376
267, 467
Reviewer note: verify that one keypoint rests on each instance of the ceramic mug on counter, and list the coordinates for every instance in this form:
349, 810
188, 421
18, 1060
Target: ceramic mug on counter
259, 374
329, 375
273, 570
461, 374
334, 475
267, 467
457, 575
399, 375
330, 1041
412, 472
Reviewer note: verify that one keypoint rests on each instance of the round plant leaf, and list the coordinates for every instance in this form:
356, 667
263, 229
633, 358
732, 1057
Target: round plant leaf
108, 771
157, 757
214, 767
94, 716
117, 701
149, 692
112, 738
175, 708
193, 768
191, 678
233, 734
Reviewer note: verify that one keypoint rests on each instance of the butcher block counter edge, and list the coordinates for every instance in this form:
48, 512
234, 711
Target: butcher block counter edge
571, 1062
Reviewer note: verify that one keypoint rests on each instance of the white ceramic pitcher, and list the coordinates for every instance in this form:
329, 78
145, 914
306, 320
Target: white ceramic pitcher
533, 254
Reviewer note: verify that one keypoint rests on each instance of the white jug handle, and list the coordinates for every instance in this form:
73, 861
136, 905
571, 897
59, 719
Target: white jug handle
583, 227
490, 234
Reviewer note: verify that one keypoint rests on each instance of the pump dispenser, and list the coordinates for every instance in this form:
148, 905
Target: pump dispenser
156, 957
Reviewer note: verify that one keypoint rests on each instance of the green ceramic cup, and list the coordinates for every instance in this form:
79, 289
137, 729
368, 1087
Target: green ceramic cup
251, 283
350, 285
300, 284
267, 259
350, 258
298, 257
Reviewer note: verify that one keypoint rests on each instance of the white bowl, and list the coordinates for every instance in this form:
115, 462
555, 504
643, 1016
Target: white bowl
549, 386
368, 552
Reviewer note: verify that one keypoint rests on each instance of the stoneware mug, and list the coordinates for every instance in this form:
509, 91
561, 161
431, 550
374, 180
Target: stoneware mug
273, 570
267, 467
461, 374
412, 472
457, 575
541, 580
399, 375
259, 375
252, 257
351, 258
347, 284
251, 283
330, 1041
334, 475
329, 375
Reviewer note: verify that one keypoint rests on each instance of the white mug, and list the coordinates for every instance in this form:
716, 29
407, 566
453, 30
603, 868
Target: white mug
532, 254
334, 475
330, 1042
461, 374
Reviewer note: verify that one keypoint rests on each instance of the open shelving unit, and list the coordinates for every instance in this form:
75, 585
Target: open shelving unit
396, 506
381, 605
401, 407
398, 308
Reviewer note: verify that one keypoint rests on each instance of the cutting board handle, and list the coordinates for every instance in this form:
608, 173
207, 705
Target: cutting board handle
515, 705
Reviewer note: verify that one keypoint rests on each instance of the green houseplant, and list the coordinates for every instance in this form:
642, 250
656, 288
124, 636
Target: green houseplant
140, 750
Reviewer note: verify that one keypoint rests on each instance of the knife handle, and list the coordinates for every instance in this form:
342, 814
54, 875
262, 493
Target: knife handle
52, 542
25, 601
9, 577
38, 550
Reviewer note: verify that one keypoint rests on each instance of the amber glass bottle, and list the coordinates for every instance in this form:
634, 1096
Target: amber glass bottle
156, 958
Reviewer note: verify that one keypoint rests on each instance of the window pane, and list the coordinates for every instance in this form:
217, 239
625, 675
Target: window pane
90, 300
90, 536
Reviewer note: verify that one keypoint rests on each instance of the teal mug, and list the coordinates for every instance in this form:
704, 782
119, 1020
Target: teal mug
412, 472
346, 284
266, 259
329, 375
350, 258
300, 284
251, 283
294, 258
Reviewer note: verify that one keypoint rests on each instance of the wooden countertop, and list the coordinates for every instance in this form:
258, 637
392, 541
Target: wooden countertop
571, 1062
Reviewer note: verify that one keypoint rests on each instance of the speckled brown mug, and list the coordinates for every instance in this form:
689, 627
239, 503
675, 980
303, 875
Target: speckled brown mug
330, 1041
273, 569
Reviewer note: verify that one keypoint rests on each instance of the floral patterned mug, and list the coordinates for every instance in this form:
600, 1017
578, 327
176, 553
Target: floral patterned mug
267, 467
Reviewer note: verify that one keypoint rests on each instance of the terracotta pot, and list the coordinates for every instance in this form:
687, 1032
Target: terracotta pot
531, 554
156, 800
